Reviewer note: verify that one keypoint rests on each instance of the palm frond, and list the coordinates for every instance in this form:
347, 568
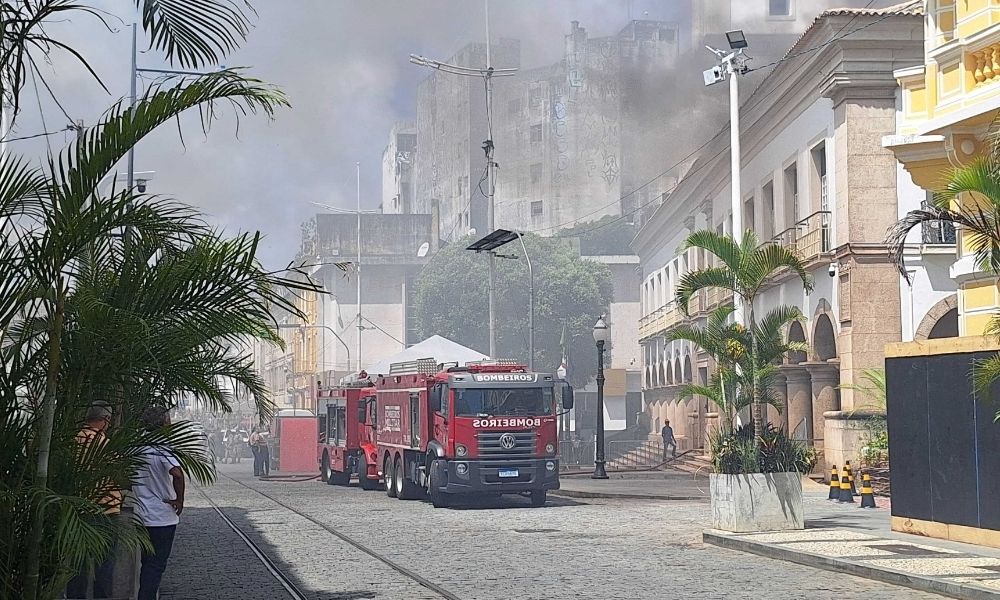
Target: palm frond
712, 277
195, 33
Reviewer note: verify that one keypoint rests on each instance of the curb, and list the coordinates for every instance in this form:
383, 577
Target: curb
839, 565
612, 496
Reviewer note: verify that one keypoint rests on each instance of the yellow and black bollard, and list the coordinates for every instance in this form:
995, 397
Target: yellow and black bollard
846, 497
834, 485
867, 494
850, 479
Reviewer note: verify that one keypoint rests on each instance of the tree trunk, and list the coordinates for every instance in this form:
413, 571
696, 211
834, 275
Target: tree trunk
44, 443
756, 408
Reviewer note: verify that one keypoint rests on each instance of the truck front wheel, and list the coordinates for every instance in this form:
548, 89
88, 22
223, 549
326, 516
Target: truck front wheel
363, 481
438, 498
324, 469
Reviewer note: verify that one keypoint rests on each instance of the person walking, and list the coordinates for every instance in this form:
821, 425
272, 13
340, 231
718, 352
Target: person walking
159, 501
667, 433
92, 437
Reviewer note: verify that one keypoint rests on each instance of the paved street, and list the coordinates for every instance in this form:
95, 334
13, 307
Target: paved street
572, 548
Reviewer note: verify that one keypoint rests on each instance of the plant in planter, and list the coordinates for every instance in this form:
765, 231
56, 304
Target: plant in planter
757, 485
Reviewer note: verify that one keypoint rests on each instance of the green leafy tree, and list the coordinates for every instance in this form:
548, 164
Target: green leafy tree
745, 268
452, 301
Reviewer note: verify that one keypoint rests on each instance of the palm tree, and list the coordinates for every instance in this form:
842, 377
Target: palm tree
969, 199
129, 298
746, 268
741, 375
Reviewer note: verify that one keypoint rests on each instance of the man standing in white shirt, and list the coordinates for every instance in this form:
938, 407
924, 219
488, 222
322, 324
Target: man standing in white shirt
159, 501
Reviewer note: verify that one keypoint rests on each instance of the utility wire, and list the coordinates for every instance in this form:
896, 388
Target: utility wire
51, 93
31, 137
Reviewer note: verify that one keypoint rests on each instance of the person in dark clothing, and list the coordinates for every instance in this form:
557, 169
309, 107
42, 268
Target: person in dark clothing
667, 433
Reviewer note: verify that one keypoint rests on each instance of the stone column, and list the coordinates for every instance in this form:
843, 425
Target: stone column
780, 391
799, 401
825, 395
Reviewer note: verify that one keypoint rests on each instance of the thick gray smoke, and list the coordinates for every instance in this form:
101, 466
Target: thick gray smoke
344, 66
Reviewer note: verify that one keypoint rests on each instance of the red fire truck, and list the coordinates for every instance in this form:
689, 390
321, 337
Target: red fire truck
486, 428
346, 441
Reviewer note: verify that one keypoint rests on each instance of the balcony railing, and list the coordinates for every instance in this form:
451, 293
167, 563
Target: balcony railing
660, 320
810, 237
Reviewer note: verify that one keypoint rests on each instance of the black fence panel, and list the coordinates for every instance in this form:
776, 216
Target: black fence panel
944, 446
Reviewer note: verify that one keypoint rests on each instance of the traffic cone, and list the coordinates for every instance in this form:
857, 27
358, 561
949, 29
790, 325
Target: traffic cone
850, 479
846, 497
834, 485
867, 494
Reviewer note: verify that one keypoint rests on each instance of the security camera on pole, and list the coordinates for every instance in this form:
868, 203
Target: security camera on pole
731, 65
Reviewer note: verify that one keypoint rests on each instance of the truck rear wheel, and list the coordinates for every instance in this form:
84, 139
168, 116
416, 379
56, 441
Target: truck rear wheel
538, 498
324, 469
387, 476
405, 489
438, 498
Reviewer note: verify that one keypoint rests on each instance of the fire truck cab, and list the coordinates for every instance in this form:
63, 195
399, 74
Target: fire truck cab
345, 437
488, 428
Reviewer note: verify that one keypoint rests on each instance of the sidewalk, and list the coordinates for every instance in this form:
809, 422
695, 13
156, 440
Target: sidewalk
846, 539
654, 485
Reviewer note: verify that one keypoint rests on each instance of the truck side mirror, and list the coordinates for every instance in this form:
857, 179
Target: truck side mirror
567, 397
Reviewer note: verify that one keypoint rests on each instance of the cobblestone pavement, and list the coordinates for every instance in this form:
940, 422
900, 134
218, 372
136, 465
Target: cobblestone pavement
597, 549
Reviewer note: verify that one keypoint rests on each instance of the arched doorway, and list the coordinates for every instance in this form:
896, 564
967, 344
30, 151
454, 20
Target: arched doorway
796, 334
688, 376
941, 320
824, 338
946, 326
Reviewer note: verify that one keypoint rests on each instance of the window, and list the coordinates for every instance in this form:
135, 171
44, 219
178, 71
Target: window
461, 188
513, 107
667, 35
536, 208
536, 173
820, 196
767, 219
748, 217
536, 134
503, 402
791, 199
534, 96
779, 8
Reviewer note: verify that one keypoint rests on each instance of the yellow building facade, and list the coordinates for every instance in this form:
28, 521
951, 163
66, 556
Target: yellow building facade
948, 105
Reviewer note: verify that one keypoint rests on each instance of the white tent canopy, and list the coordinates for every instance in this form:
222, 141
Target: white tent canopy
439, 348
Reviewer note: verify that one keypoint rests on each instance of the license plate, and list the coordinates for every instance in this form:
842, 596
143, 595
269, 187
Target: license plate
508, 473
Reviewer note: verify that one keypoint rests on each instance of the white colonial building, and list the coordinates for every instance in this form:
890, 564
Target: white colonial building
815, 178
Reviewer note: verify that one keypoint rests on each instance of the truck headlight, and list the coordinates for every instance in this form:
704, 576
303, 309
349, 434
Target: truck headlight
550, 448
550, 465
461, 450
462, 469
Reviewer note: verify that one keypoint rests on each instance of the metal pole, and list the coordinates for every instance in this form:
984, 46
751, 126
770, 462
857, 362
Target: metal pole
734, 143
131, 150
491, 174
361, 326
531, 305
599, 472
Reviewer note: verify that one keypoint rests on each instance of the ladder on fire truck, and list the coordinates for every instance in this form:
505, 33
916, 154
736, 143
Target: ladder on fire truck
420, 366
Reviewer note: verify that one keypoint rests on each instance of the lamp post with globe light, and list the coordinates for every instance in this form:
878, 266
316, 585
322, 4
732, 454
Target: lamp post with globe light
600, 336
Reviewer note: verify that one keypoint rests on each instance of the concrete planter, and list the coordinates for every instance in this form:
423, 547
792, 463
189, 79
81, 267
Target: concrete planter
756, 502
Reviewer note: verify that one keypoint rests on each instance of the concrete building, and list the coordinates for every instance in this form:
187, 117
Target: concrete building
398, 189
949, 100
324, 347
814, 178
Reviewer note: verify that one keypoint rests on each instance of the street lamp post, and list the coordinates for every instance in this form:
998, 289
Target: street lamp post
490, 243
600, 336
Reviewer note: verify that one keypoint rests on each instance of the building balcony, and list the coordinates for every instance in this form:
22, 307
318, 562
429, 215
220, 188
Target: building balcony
660, 320
810, 237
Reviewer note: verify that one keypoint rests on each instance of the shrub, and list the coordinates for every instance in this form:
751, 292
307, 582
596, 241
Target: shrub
737, 452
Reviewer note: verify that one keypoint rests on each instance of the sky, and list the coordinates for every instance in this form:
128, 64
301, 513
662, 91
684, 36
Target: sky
343, 64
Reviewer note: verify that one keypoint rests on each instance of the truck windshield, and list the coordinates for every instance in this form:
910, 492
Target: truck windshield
498, 402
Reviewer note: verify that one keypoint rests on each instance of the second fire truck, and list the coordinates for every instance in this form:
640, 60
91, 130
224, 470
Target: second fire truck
487, 428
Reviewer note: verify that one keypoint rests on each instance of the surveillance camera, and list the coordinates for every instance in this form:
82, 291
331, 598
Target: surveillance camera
832, 270
141, 186
714, 75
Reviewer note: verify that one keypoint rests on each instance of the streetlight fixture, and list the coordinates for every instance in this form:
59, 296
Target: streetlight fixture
600, 336
490, 243
731, 65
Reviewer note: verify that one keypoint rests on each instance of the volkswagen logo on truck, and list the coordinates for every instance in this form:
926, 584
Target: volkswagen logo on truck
508, 441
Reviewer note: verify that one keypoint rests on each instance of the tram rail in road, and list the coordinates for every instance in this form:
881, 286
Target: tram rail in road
285, 580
